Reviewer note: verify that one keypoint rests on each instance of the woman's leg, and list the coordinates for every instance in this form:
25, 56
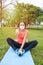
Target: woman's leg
13, 43
30, 45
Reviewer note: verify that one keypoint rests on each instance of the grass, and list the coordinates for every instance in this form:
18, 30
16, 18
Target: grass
37, 52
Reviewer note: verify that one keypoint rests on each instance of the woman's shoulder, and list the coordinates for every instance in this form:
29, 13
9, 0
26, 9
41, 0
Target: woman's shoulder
26, 30
16, 30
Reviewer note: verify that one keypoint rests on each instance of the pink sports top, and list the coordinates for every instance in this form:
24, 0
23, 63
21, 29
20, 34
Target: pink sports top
21, 36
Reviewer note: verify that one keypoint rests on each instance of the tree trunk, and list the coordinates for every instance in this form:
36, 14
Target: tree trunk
0, 13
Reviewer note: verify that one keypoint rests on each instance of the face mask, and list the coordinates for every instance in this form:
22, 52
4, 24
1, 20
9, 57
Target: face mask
22, 27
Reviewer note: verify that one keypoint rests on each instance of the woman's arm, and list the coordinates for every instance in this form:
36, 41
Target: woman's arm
17, 33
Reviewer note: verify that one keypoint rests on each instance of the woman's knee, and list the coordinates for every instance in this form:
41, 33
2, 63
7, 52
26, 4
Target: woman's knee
8, 39
35, 42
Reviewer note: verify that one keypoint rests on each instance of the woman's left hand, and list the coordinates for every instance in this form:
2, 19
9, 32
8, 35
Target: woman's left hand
20, 51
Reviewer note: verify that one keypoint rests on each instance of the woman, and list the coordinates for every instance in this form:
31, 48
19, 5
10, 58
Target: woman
21, 41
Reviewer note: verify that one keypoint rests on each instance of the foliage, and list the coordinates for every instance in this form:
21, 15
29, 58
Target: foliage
40, 18
26, 12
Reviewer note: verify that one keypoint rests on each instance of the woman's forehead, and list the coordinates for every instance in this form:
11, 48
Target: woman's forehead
22, 23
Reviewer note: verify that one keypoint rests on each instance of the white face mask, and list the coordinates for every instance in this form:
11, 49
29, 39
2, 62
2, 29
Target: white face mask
22, 27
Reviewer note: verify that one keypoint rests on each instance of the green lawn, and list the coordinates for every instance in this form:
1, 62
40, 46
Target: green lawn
37, 52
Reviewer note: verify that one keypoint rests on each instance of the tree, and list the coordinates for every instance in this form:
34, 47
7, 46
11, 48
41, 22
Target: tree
40, 19
40, 16
0, 13
26, 12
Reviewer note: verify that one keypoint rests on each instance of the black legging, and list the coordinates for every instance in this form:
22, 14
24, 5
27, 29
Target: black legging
27, 46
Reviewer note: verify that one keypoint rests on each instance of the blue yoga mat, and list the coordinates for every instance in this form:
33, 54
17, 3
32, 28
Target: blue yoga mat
0, 63
11, 58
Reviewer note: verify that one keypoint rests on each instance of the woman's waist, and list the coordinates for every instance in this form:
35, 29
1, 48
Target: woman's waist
20, 41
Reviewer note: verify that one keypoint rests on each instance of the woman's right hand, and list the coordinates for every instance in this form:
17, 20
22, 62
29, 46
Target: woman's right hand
20, 51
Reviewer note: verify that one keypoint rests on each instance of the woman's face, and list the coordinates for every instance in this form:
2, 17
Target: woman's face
22, 26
